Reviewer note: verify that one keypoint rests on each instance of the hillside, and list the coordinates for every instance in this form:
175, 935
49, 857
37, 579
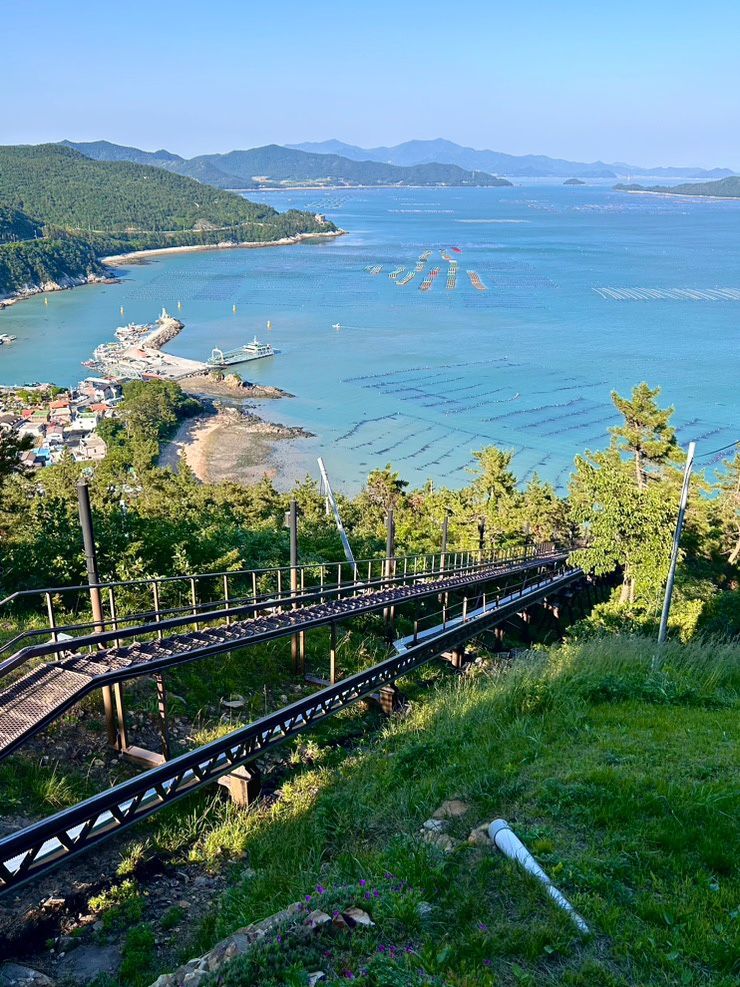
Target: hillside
273, 164
514, 166
89, 208
60, 186
725, 188
16, 225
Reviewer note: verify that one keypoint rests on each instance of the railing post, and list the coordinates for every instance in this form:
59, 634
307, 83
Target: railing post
194, 602
297, 648
93, 579
445, 531
390, 565
52, 621
226, 598
117, 688
333, 653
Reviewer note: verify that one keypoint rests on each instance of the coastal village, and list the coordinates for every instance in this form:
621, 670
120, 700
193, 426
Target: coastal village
60, 422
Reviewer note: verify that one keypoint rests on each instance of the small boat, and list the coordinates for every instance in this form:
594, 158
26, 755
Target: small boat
243, 354
6, 338
337, 326
121, 309
233, 309
46, 300
269, 324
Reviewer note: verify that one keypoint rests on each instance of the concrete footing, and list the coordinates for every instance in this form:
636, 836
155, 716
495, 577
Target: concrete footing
243, 784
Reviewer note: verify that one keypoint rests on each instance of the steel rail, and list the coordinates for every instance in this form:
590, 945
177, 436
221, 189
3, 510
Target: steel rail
254, 598
28, 714
251, 608
39, 848
148, 580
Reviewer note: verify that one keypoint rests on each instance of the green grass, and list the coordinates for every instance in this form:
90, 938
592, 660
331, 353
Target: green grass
620, 779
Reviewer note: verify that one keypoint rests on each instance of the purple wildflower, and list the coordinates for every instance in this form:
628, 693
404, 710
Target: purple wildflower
368, 895
363, 882
308, 897
487, 962
376, 893
320, 889
483, 927
279, 938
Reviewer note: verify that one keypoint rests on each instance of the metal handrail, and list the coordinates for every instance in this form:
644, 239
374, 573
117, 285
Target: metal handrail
148, 580
195, 609
158, 625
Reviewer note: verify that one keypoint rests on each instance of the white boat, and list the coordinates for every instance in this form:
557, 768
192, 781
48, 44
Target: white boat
337, 326
6, 338
243, 354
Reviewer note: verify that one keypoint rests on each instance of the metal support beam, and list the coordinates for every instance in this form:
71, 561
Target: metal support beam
163, 714
331, 502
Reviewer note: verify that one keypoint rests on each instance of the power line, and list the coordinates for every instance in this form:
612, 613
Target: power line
722, 449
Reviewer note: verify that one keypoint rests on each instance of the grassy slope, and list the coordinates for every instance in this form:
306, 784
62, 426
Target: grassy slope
619, 779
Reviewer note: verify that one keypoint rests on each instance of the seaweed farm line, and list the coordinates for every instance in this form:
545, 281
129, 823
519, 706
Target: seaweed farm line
670, 294
476, 281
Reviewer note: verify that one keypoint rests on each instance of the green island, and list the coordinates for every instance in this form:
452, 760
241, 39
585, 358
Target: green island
612, 758
724, 188
61, 212
284, 167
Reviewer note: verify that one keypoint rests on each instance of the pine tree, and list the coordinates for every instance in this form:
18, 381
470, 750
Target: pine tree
646, 434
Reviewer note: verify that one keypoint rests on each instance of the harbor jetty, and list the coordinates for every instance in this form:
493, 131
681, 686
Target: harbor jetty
138, 354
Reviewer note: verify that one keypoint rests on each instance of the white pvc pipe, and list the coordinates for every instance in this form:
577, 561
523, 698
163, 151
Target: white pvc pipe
511, 846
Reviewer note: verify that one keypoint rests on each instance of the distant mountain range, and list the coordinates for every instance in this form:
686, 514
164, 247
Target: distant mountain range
275, 165
418, 152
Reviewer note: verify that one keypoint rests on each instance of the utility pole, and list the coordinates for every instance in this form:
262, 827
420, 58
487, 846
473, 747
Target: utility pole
676, 541
93, 579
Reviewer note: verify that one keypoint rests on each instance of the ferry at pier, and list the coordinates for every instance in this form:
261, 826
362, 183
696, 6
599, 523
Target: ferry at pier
243, 354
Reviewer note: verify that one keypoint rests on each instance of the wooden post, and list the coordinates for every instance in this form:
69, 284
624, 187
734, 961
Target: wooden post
93, 579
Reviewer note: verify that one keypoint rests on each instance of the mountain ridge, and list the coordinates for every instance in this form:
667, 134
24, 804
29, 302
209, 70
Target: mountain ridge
510, 165
274, 163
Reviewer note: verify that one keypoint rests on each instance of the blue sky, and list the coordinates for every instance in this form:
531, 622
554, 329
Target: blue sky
648, 83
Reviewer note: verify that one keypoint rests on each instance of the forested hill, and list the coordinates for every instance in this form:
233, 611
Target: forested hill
276, 165
60, 186
60, 211
282, 164
725, 188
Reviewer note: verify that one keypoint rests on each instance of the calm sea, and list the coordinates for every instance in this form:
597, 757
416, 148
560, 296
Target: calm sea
420, 379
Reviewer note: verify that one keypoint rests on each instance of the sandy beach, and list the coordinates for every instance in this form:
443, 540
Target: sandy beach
241, 448
286, 241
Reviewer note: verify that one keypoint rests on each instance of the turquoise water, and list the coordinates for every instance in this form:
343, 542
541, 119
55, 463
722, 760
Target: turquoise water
420, 379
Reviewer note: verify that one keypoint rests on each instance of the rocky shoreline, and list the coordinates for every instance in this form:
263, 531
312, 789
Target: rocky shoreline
64, 284
231, 386
138, 256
